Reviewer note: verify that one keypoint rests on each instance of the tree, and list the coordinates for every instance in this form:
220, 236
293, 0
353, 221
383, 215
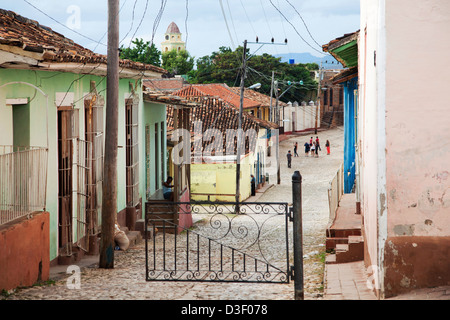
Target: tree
177, 62
224, 66
142, 52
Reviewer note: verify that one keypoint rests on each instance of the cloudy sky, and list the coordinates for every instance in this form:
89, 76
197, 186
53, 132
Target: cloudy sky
206, 25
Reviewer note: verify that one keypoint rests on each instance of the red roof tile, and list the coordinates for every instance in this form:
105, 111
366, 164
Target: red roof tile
170, 84
29, 35
221, 91
261, 98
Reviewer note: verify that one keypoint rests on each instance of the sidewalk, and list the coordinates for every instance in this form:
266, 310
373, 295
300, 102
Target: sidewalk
351, 281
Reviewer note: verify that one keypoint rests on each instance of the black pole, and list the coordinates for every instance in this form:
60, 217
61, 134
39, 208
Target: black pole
298, 235
239, 136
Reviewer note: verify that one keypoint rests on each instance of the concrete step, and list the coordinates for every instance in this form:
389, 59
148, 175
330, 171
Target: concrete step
330, 259
331, 243
352, 251
343, 233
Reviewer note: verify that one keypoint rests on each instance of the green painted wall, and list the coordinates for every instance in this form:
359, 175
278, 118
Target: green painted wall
52, 83
21, 125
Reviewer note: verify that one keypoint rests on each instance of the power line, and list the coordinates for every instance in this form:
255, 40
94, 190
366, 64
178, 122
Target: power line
142, 19
132, 22
186, 22
62, 24
226, 23
232, 20
303, 23
250, 22
295, 29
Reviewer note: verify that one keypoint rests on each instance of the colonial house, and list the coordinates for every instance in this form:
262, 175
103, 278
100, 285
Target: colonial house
222, 91
165, 85
262, 111
404, 143
331, 99
213, 176
345, 50
52, 123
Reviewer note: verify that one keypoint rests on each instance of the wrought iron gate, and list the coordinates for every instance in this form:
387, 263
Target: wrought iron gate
229, 242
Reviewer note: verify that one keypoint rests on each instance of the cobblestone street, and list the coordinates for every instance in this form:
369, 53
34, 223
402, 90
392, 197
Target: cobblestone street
127, 280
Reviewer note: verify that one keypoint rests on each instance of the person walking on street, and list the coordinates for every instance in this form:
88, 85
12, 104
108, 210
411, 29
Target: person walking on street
253, 185
318, 144
313, 149
295, 149
327, 145
289, 158
307, 148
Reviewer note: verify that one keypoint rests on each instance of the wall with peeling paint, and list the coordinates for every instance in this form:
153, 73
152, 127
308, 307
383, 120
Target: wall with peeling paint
411, 215
417, 122
367, 129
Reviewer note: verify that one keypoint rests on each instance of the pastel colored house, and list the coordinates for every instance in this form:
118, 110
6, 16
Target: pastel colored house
52, 123
214, 176
301, 116
261, 111
345, 50
404, 142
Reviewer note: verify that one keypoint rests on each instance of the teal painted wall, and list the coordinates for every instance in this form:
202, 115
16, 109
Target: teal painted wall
155, 167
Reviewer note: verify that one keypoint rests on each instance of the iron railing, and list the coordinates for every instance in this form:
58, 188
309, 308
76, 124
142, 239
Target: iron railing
23, 181
231, 242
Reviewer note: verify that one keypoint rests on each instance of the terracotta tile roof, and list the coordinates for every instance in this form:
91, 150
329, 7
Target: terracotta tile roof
173, 28
215, 114
171, 84
30, 36
221, 91
164, 98
262, 99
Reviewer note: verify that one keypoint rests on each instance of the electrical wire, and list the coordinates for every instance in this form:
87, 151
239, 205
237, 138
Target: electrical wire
295, 29
132, 22
304, 23
226, 24
48, 16
232, 20
140, 22
186, 23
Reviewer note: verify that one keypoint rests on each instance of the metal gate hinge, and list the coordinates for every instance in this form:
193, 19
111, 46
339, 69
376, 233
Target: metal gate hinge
291, 214
291, 272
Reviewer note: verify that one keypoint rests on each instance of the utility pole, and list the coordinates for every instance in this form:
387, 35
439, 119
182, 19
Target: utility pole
271, 92
239, 136
278, 134
319, 90
109, 204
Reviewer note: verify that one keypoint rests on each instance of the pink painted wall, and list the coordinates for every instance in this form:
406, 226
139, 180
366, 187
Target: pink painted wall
25, 252
184, 219
367, 127
417, 117
404, 142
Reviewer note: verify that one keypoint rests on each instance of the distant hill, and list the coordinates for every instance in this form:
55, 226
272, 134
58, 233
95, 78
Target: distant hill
328, 62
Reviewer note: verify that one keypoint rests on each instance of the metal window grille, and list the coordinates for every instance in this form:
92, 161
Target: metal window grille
132, 152
23, 172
